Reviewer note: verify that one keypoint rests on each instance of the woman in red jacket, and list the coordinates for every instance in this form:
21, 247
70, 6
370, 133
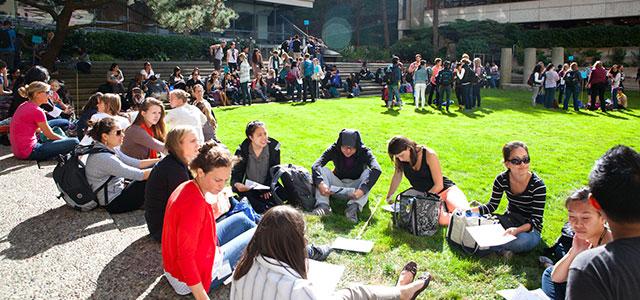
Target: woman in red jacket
598, 83
195, 260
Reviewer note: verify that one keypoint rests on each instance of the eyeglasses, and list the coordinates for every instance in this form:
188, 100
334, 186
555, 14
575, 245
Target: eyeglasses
119, 132
518, 161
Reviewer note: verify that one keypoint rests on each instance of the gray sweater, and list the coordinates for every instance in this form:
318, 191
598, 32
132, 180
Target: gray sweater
101, 166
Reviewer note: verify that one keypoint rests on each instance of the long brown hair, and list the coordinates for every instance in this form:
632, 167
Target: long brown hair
280, 235
158, 129
398, 144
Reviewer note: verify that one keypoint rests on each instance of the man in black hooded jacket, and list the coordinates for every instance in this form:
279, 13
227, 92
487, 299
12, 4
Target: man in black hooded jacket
356, 171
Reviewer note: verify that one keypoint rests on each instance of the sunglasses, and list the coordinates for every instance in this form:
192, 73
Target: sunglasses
518, 161
119, 132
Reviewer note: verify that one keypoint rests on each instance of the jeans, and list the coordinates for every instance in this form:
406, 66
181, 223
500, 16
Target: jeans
307, 85
394, 91
614, 98
419, 94
44, 151
62, 123
445, 95
246, 94
234, 233
536, 92
552, 289
571, 92
349, 185
467, 96
561, 90
476, 94
549, 94
524, 242
493, 82
432, 90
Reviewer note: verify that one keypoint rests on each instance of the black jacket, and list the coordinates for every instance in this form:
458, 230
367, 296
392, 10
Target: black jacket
165, 177
364, 158
238, 174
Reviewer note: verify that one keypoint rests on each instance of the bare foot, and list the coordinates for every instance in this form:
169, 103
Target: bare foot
405, 278
408, 291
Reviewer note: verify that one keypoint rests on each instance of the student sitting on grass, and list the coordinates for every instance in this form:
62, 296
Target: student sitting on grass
145, 137
29, 119
194, 255
106, 171
168, 174
612, 271
421, 166
183, 113
258, 153
274, 266
356, 172
526, 195
588, 224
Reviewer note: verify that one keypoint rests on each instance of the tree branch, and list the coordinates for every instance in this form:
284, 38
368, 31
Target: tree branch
90, 4
46, 8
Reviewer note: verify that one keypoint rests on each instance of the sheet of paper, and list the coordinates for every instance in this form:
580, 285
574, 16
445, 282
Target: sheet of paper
324, 275
391, 207
55, 112
256, 186
521, 293
354, 245
489, 235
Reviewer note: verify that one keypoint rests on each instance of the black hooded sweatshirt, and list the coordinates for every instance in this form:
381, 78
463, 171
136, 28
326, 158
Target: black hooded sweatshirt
363, 158
239, 171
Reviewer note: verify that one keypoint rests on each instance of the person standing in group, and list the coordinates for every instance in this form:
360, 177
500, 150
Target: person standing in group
393, 83
420, 81
597, 82
615, 77
232, 57
572, 79
216, 52
536, 79
307, 86
296, 47
432, 81
413, 66
477, 79
562, 85
444, 81
245, 78
550, 82
465, 75
256, 62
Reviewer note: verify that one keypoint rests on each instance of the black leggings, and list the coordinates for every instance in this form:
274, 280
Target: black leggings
131, 198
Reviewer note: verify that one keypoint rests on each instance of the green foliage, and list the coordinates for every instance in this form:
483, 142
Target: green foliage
134, 46
591, 53
583, 37
471, 46
618, 56
102, 57
190, 15
542, 56
368, 53
406, 48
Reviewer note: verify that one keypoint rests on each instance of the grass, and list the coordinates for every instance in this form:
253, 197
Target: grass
563, 147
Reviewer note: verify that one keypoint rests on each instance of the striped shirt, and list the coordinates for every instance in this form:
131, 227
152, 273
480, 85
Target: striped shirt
272, 279
529, 203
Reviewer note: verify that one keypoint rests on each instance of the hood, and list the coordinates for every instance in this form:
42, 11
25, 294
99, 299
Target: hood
349, 137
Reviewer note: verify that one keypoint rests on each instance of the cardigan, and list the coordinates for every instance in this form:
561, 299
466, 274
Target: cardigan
137, 143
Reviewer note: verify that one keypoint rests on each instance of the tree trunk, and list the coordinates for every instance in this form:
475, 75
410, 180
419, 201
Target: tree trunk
385, 23
358, 9
48, 59
436, 22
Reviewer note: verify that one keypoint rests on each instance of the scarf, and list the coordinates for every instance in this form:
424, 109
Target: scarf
152, 153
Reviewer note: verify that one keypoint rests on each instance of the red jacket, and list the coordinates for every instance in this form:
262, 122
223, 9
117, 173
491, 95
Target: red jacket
189, 236
598, 75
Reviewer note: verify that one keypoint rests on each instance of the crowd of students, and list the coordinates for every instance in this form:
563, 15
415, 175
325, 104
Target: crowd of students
555, 86
438, 79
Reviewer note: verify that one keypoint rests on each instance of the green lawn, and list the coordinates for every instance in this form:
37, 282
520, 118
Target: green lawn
562, 145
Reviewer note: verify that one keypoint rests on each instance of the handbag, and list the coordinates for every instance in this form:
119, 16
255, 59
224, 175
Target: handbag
457, 233
417, 212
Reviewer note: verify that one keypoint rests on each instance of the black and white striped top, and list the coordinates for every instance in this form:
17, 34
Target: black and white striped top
529, 203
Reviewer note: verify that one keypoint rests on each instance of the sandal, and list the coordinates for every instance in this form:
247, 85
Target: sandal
410, 267
426, 276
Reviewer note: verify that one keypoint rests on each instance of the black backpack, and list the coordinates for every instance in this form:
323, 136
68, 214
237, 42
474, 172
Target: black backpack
71, 181
530, 80
297, 185
389, 76
446, 77
5, 39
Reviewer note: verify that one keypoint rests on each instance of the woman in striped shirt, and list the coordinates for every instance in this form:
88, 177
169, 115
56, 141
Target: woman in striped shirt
526, 195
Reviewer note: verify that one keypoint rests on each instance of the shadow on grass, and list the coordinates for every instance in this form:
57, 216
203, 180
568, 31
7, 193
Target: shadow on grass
401, 237
338, 223
54, 227
424, 111
391, 112
229, 108
628, 113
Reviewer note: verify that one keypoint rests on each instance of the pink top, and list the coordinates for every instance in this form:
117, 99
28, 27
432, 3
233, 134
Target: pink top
23, 129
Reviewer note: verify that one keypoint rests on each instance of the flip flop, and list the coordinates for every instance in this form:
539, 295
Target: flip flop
426, 276
411, 267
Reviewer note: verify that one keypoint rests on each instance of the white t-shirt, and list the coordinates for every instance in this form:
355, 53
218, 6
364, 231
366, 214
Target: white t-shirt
232, 55
187, 115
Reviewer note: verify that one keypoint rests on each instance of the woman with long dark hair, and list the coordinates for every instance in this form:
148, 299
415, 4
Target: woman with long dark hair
145, 137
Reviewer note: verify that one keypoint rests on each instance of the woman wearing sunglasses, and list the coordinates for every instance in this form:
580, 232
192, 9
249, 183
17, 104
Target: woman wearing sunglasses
526, 195
106, 171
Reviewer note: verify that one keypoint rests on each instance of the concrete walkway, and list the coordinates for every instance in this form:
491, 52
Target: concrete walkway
49, 251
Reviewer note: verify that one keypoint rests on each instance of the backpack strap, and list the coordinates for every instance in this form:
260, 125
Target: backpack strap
104, 186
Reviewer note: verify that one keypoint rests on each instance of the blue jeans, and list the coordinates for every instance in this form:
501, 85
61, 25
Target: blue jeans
445, 95
476, 94
524, 242
62, 123
44, 151
549, 93
234, 233
614, 98
552, 289
246, 94
467, 95
394, 91
571, 92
